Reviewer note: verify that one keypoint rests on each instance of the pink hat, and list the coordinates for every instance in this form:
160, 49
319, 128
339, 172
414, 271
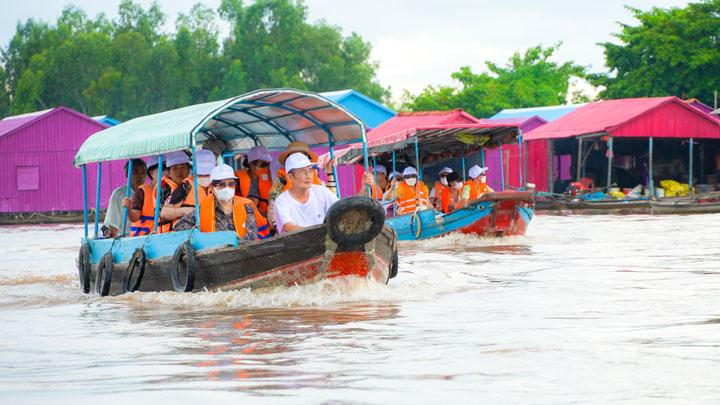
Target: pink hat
176, 158
205, 162
259, 153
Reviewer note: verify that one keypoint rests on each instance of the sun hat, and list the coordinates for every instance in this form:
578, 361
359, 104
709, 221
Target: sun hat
380, 169
176, 158
152, 163
259, 153
445, 170
409, 171
476, 171
205, 162
297, 161
295, 147
394, 174
222, 172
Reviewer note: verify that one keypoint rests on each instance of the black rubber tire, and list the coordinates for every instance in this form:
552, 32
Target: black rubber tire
394, 265
84, 267
104, 274
187, 251
364, 204
136, 267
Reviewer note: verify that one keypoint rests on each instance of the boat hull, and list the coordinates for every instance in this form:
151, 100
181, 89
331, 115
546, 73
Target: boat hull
494, 215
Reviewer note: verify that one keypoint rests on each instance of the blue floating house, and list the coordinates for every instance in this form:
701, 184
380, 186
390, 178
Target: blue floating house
548, 113
107, 120
371, 112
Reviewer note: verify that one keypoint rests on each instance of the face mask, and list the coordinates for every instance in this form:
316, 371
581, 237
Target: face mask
457, 186
204, 180
443, 181
411, 182
225, 194
483, 179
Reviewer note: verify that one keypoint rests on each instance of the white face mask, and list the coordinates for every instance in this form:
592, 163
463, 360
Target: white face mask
457, 186
225, 194
443, 181
483, 179
204, 181
411, 181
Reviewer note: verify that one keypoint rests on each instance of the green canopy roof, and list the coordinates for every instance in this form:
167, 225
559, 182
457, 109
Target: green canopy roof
272, 118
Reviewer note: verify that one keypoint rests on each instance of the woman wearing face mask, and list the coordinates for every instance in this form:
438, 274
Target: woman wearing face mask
224, 211
182, 200
452, 199
412, 194
439, 188
256, 181
477, 185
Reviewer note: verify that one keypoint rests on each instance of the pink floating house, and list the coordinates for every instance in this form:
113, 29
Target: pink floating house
36, 162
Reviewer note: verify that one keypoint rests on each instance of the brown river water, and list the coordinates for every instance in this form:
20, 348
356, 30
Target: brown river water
580, 310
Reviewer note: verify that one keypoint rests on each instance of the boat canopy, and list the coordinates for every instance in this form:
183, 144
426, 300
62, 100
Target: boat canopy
272, 118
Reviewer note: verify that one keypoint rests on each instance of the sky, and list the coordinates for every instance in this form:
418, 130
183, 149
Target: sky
420, 42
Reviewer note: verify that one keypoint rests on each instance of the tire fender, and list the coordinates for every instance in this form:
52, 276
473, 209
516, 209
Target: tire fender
354, 220
136, 268
186, 251
104, 274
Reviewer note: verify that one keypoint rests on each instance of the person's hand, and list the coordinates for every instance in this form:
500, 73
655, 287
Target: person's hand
368, 179
393, 182
127, 202
329, 165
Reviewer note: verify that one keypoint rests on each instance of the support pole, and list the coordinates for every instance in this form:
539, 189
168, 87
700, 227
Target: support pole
334, 170
374, 177
690, 169
502, 170
417, 160
610, 159
365, 156
195, 186
651, 183
520, 160
158, 191
394, 186
121, 231
462, 151
85, 199
482, 158
579, 160
97, 199
550, 164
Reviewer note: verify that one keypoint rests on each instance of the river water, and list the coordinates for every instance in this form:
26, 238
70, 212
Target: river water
580, 310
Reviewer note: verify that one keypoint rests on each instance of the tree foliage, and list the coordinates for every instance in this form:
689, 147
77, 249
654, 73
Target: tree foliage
129, 67
671, 52
527, 80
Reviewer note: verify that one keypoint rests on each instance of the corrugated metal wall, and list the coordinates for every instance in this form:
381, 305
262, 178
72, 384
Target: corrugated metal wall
50, 145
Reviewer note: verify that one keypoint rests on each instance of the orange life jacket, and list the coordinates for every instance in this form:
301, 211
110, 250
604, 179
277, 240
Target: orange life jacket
207, 217
407, 200
264, 186
164, 226
144, 226
442, 192
189, 201
476, 190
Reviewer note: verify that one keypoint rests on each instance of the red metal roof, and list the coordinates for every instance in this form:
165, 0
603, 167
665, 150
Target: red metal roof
661, 117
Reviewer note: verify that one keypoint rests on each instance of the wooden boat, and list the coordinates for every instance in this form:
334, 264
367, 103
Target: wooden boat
354, 240
493, 214
698, 204
559, 204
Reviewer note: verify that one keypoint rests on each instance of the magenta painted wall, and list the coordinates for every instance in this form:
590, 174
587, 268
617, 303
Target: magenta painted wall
50, 143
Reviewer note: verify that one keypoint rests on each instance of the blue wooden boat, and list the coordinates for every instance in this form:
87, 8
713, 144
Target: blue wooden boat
353, 242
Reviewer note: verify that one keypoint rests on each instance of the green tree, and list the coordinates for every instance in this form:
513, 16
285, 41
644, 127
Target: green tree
527, 80
671, 52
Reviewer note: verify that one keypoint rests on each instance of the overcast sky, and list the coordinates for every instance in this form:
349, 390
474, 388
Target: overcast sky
421, 42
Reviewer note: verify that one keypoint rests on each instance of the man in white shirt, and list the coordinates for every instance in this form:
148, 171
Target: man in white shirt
304, 204
118, 200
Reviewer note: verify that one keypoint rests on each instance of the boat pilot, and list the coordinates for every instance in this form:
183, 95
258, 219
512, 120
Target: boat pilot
142, 211
477, 185
412, 194
224, 211
255, 181
439, 188
182, 199
114, 215
305, 203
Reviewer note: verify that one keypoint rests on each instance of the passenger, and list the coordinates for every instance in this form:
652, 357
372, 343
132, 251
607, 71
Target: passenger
452, 196
255, 182
182, 200
477, 185
114, 215
440, 186
224, 211
412, 195
178, 169
304, 203
377, 188
142, 212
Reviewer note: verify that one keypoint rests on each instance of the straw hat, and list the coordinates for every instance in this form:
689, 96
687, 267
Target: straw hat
294, 147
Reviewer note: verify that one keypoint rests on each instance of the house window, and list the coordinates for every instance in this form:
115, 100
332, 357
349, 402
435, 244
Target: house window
28, 178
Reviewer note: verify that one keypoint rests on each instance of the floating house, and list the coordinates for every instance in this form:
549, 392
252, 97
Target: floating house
36, 162
629, 142
547, 113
